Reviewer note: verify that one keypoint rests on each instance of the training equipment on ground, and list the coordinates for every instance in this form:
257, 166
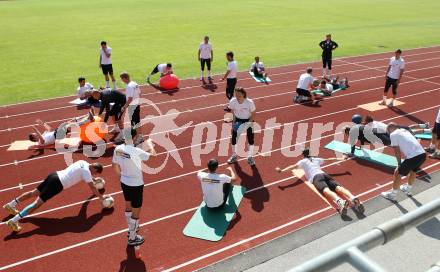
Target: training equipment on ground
424, 136
374, 106
91, 132
364, 154
357, 119
260, 79
211, 225
108, 202
99, 183
169, 82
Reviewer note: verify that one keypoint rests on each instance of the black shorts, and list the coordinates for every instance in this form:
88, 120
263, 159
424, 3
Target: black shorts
391, 82
207, 62
412, 164
133, 194
116, 111
226, 191
135, 114
230, 87
107, 69
249, 131
256, 73
50, 187
324, 180
155, 70
303, 92
327, 62
436, 130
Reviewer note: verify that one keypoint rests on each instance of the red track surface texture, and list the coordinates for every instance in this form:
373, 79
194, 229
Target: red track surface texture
72, 234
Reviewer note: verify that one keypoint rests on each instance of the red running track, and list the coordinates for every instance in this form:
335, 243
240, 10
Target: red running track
72, 234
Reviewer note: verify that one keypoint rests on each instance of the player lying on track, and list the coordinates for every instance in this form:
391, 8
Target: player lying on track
54, 184
258, 69
305, 87
434, 147
405, 145
49, 135
84, 91
324, 183
338, 83
215, 187
163, 68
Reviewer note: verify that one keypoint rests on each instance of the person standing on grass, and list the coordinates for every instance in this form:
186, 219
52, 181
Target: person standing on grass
434, 147
132, 93
127, 163
105, 63
405, 145
230, 77
54, 184
215, 187
243, 110
327, 46
206, 56
394, 73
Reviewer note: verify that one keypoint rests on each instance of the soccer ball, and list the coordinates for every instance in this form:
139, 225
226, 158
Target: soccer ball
108, 202
99, 183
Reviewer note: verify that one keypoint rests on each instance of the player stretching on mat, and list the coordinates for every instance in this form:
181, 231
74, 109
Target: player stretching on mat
258, 69
305, 84
394, 74
205, 55
243, 110
405, 145
164, 69
434, 147
127, 163
51, 186
215, 187
230, 77
324, 183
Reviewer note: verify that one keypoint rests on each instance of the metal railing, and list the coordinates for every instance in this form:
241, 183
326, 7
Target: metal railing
352, 252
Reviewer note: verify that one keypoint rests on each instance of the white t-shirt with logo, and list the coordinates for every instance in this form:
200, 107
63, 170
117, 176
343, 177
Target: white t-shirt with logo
130, 158
304, 82
205, 50
48, 137
76, 172
407, 143
232, 68
132, 90
437, 120
212, 187
311, 167
82, 90
259, 65
396, 66
104, 59
243, 110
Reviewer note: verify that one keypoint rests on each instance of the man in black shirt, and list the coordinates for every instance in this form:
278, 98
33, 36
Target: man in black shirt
107, 97
327, 47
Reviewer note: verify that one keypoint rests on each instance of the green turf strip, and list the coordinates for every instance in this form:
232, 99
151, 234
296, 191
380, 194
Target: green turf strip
424, 136
364, 154
211, 225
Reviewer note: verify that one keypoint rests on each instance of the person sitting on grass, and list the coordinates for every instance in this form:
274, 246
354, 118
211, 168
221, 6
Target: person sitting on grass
324, 183
164, 69
54, 184
258, 69
305, 87
215, 187
84, 91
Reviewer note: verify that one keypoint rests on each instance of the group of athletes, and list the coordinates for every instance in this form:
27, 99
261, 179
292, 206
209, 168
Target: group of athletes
128, 156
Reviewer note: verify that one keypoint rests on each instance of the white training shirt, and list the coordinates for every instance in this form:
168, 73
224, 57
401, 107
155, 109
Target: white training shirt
232, 68
212, 187
130, 160
328, 87
378, 126
48, 137
259, 65
82, 90
205, 50
396, 66
73, 174
243, 110
104, 59
132, 90
437, 120
162, 68
304, 81
407, 143
311, 167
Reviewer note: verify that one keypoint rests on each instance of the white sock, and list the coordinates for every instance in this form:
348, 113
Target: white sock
107, 84
13, 203
234, 150
114, 85
323, 72
128, 217
384, 98
209, 73
427, 130
132, 227
329, 73
16, 218
251, 150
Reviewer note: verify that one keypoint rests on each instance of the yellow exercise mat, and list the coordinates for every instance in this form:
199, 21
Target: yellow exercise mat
374, 106
25, 144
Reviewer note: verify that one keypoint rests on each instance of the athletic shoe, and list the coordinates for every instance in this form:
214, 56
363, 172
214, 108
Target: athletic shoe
391, 104
210, 78
435, 155
13, 225
251, 161
430, 149
11, 210
426, 125
232, 159
389, 195
406, 189
342, 206
137, 241
227, 109
383, 103
358, 205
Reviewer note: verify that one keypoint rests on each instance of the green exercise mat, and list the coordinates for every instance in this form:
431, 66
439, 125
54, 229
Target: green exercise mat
424, 136
364, 154
319, 92
260, 79
211, 225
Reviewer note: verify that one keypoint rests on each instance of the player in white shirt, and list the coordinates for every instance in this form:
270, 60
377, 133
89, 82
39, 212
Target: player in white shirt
127, 163
394, 73
407, 147
206, 56
304, 87
324, 183
105, 63
54, 184
163, 68
133, 93
434, 147
230, 77
215, 187
258, 69
325, 88
243, 110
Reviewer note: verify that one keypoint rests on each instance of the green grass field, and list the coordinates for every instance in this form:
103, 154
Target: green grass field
46, 44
